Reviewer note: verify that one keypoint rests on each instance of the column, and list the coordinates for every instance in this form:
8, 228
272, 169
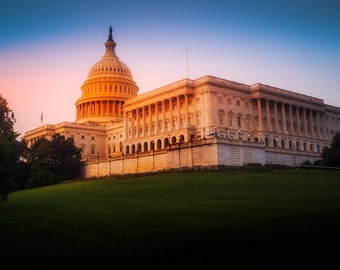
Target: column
186, 104
150, 119
156, 121
178, 113
171, 113
126, 120
275, 116
119, 109
318, 125
283, 111
138, 123
323, 125
259, 113
163, 104
298, 119
268, 115
132, 124
291, 120
305, 121
144, 120
311, 123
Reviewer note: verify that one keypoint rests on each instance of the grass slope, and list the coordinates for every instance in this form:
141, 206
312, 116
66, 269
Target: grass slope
189, 219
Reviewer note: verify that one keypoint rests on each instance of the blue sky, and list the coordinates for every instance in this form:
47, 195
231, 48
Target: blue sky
48, 47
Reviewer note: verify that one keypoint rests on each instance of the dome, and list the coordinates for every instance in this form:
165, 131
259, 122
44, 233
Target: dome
110, 63
108, 86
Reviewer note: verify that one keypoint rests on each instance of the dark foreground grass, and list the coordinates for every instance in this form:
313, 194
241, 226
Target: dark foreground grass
231, 219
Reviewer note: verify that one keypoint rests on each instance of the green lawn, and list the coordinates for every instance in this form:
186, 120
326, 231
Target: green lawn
191, 219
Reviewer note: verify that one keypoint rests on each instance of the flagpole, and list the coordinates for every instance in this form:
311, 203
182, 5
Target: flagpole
187, 59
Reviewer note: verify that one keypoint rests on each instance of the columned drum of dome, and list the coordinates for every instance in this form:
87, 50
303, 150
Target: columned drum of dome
108, 85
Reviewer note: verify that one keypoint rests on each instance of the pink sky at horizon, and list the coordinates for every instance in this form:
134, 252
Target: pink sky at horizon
45, 59
51, 85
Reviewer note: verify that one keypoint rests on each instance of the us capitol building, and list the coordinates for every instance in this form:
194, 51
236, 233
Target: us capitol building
205, 122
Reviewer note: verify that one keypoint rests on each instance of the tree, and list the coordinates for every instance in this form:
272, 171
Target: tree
331, 155
66, 157
53, 161
10, 149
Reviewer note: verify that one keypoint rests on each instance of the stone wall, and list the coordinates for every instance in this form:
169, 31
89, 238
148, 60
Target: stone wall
203, 153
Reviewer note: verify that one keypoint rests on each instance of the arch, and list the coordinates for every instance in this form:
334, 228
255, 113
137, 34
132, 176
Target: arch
275, 142
145, 147
133, 149
181, 138
152, 145
127, 149
173, 140
266, 140
139, 147
159, 144
166, 142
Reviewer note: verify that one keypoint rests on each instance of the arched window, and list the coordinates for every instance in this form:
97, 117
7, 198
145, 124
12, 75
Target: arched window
220, 114
173, 140
166, 142
145, 146
181, 138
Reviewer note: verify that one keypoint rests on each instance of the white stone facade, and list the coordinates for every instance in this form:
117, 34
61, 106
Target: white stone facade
190, 123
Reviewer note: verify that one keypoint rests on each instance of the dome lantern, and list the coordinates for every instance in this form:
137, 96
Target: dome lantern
110, 44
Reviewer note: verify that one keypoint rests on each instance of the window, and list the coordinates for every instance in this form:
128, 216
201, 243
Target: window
220, 114
239, 121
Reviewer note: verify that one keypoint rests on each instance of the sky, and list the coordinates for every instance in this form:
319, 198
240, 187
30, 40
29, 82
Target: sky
47, 47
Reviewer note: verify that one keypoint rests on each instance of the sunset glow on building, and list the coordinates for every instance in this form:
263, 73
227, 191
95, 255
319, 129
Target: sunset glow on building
205, 122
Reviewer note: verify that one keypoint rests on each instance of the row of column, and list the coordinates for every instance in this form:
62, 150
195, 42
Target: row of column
318, 123
99, 108
155, 113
